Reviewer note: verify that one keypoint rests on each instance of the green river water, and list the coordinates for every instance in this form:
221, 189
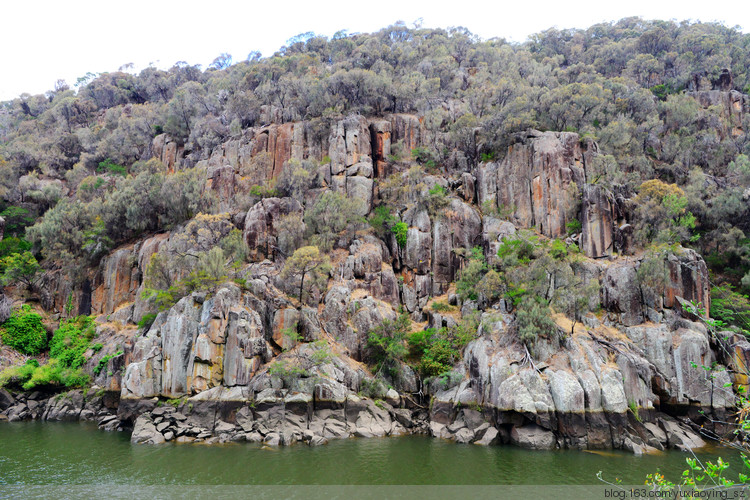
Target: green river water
78, 453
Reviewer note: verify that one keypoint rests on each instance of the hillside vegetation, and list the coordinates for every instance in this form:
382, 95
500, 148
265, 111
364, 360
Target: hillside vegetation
412, 209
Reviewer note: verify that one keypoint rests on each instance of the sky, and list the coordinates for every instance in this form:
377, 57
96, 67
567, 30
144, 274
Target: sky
43, 41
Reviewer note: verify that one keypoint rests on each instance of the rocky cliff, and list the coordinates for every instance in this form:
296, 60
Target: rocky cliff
618, 379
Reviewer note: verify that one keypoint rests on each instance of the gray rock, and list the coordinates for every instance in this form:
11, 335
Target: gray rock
490, 437
532, 437
621, 295
464, 436
223, 427
5, 305
6, 399
144, 432
318, 441
272, 439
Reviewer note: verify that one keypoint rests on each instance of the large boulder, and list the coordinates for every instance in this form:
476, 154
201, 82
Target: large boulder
532, 437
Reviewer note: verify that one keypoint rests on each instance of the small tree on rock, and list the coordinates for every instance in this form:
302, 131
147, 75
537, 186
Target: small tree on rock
311, 267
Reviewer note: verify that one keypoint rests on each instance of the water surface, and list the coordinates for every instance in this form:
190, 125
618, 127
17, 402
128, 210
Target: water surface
79, 453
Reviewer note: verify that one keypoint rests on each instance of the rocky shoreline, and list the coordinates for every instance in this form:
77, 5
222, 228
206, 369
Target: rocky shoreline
279, 419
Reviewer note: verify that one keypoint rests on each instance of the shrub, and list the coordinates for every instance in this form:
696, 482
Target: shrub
19, 268
110, 167
434, 352
441, 307
71, 341
147, 320
401, 230
574, 226
104, 361
469, 276
730, 307
24, 331
385, 344
31, 375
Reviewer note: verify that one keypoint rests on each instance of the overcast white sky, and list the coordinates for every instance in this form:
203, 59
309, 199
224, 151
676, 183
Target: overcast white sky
42, 41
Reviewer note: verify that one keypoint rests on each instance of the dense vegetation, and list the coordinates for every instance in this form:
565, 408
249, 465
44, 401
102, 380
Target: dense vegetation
77, 177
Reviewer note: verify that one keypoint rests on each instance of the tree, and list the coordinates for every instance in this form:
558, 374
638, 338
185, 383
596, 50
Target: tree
222, 61
331, 214
307, 262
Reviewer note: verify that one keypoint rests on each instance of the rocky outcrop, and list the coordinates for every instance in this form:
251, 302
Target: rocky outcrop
261, 153
116, 282
585, 395
629, 303
535, 180
274, 418
720, 93
688, 278
169, 152
201, 343
597, 221
261, 225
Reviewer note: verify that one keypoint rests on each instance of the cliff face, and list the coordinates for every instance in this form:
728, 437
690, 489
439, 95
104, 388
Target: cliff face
579, 389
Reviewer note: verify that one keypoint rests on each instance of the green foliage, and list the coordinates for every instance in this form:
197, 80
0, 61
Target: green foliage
17, 219
558, 249
104, 362
11, 245
517, 251
310, 266
263, 191
425, 156
401, 231
322, 353
534, 320
662, 215
434, 352
385, 344
110, 167
488, 157
147, 320
436, 200
332, 217
287, 371
439, 306
382, 221
730, 307
71, 341
24, 331
19, 268
373, 388
652, 272
662, 91
574, 226
471, 274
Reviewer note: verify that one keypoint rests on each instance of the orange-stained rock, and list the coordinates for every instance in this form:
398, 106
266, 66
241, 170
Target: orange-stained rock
536, 179
408, 129
380, 130
117, 281
597, 221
